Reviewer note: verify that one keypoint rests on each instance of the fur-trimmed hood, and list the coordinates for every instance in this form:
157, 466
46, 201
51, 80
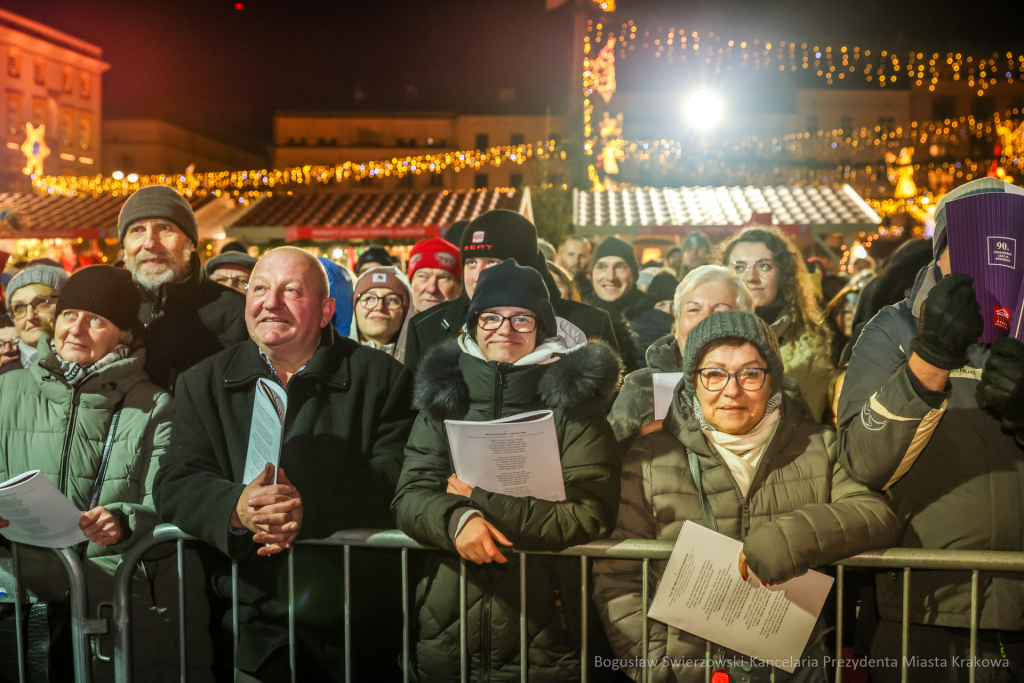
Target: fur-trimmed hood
450, 380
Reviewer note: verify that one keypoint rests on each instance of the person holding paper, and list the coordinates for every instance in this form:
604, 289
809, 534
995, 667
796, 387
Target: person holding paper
347, 419
768, 476
512, 356
57, 417
936, 419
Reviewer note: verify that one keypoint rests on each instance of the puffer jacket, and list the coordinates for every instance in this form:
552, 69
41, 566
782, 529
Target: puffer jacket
452, 384
954, 476
811, 371
801, 511
60, 430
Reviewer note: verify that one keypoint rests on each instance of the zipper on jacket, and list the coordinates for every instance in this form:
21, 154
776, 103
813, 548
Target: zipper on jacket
499, 390
65, 456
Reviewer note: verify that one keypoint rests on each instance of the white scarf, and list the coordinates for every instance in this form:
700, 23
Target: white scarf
742, 452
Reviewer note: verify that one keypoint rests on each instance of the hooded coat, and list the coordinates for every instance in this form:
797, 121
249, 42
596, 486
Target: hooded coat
395, 349
801, 511
453, 384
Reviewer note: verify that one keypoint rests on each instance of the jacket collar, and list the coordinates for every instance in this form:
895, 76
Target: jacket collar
172, 294
455, 317
328, 364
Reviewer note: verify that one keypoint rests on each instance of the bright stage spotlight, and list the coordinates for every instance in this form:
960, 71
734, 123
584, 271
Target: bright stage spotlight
703, 110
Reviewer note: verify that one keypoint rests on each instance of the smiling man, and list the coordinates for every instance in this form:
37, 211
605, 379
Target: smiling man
614, 271
187, 316
348, 418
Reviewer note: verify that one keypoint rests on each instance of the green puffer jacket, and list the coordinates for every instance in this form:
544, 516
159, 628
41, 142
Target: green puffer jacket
37, 410
812, 371
452, 384
801, 511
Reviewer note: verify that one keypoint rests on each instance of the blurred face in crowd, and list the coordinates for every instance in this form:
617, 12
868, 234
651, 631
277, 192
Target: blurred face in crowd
612, 278
230, 275
432, 286
696, 256
573, 255
563, 286
379, 314
472, 268
664, 306
32, 306
733, 404
8, 344
700, 302
156, 252
508, 340
673, 259
84, 337
368, 265
754, 264
287, 303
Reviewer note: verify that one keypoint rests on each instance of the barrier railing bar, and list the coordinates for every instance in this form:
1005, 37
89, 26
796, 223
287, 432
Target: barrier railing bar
906, 625
348, 615
79, 613
974, 626
405, 615
291, 610
182, 656
584, 617
523, 664
19, 595
707, 661
839, 624
644, 645
463, 653
234, 620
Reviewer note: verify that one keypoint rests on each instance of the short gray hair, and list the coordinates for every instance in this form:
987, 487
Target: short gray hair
704, 274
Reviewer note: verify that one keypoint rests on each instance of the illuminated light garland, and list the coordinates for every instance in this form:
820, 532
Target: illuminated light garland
248, 184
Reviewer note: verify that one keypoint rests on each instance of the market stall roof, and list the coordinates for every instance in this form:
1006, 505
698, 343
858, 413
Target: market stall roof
339, 215
720, 210
49, 216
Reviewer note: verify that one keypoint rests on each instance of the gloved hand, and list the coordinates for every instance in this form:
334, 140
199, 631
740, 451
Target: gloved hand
951, 321
1001, 388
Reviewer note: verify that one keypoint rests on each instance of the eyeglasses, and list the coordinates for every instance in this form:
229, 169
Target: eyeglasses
232, 282
748, 379
392, 301
762, 267
41, 304
519, 322
10, 343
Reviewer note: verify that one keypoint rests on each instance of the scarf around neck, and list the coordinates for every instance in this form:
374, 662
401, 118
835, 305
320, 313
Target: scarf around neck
75, 373
742, 452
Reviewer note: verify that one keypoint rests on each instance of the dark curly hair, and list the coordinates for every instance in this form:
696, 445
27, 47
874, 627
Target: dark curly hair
795, 286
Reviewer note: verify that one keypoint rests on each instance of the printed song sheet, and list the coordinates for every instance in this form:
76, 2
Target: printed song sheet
267, 430
702, 593
664, 389
38, 513
515, 456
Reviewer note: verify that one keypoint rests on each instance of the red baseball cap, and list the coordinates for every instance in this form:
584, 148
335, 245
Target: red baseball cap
435, 253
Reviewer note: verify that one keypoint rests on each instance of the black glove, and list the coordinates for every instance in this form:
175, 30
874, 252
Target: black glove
1001, 388
951, 321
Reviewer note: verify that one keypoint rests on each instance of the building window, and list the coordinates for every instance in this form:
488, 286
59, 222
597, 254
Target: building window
518, 139
436, 180
13, 63
480, 181
944, 107
127, 162
39, 71
982, 108
367, 181
67, 125
482, 141
85, 129
516, 180
14, 120
38, 111
406, 180
812, 124
86, 86
67, 79
846, 124
885, 124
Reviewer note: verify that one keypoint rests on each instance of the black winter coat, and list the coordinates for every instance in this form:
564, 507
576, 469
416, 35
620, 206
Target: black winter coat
188, 321
454, 385
348, 419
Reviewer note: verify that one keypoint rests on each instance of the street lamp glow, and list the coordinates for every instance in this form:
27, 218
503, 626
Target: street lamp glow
132, 177
703, 110
337, 253
117, 175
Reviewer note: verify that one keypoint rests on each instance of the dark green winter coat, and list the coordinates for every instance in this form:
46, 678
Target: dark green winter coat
452, 384
60, 430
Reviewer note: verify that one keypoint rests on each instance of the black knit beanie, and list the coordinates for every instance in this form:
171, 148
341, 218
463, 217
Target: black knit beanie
158, 201
106, 291
613, 246
510, 284
374, 255
663, 287
736, 325
454, 232
500, 234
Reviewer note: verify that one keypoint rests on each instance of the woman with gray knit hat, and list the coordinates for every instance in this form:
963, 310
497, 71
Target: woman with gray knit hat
31, 300
736, 455
88, 419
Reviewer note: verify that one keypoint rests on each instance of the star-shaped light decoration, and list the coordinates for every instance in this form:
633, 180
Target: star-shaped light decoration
34, 148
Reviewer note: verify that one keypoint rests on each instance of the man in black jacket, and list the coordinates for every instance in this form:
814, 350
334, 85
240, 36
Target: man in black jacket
348, 417
614, 271
487, 241
187, 316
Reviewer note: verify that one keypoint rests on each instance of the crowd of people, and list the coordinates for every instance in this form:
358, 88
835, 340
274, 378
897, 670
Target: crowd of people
819, 415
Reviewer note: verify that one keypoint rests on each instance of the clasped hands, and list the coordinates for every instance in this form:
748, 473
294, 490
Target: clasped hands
99, 526
273, 512
475, 541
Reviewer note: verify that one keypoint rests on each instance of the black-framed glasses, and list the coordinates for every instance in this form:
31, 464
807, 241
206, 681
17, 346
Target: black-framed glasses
748, 379
520, 322
41, 304
763, 267
9, 343
233, 282
392, 301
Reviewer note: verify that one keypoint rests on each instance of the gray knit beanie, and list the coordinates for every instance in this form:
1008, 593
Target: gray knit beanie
51, 276
158, 201
735, 325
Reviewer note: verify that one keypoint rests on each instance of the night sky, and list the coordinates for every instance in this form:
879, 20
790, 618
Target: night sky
209, 67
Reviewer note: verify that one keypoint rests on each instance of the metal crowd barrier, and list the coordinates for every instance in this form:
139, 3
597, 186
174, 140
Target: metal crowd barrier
904, 559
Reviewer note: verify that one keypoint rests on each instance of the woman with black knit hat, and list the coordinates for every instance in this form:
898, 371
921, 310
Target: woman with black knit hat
86, 416
512, 356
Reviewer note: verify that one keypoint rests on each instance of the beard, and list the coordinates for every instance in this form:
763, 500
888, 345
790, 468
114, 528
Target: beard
152, 277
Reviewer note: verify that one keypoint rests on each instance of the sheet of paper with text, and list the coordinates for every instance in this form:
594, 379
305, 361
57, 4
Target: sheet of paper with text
267, 431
